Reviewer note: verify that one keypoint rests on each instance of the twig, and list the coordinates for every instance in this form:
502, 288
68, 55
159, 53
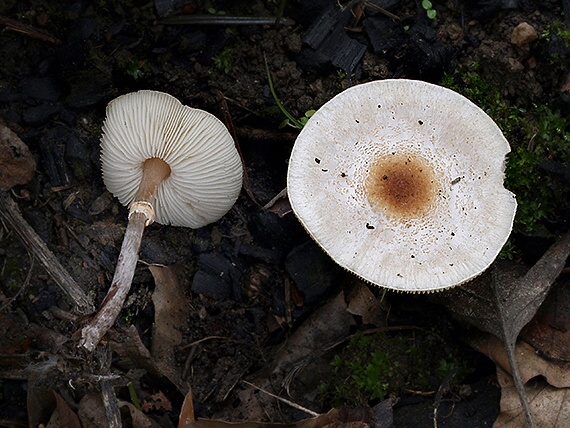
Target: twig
204, 339
11, 215
284, 400
28, 30
200, 19
108, 396
225, 111
111, 306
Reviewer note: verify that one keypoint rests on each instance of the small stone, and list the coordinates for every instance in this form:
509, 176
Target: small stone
515, 66
523, 34
455, 31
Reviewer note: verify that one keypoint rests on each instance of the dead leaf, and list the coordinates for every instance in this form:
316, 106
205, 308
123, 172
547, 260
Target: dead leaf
279, 204
157, 401
326, 326
131, 351
503, 301
362, 302
187, 411
46, 407
17, 165
549, 405
137, 418
549, 331
91, 410
170, 316
530, 363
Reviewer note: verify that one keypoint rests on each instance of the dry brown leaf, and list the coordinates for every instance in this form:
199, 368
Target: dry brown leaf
362, 302
549, 405
46, 407
170, 316
279, 204
64, 416
549, 331
335, 418
530, 363
17, 165
137, 418
91, 410
326, 326
187, 411
157, 401
503, 301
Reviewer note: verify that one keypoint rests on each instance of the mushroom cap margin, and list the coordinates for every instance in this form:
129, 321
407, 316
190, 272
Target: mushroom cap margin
456, 240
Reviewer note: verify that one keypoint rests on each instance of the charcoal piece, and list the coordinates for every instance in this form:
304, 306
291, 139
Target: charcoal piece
217, 277
423, 31
74, 54
52, 148
78, 210
267, 255
40, 88
344, 53
323, 26
312, 270
383, 4
556, 167
330, 42
486, 10
153, 252
384, 34
107, 258
42, 224
166, 7
78, 157
40, 114
304, 12
88, 88
426, 58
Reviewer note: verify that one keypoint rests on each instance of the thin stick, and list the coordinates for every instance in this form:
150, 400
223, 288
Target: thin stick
11, 215
111, 306
28, 30
284, 400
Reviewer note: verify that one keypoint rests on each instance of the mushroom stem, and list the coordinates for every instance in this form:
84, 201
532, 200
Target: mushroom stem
155, 170
141, 214
111, 306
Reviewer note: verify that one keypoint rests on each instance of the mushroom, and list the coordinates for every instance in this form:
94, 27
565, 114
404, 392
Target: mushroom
169, 163
401, 183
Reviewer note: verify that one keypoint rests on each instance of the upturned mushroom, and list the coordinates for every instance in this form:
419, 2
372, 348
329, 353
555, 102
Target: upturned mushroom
401, 183
169, 163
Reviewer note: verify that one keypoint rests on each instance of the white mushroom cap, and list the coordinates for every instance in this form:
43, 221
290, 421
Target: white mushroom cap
205, 168
401, 183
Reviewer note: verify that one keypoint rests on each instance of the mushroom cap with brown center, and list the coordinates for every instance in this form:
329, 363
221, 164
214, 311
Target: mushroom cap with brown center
401, 183
205, 168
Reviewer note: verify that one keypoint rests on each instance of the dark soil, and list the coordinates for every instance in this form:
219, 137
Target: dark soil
254, 277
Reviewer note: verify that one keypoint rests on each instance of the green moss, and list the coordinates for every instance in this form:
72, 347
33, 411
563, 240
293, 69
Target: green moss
536, 134
223, 60
372, 367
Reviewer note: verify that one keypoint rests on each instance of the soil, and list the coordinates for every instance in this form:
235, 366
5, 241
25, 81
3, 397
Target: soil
254, 278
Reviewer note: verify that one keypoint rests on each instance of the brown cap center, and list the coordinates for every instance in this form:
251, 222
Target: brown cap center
401, 185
